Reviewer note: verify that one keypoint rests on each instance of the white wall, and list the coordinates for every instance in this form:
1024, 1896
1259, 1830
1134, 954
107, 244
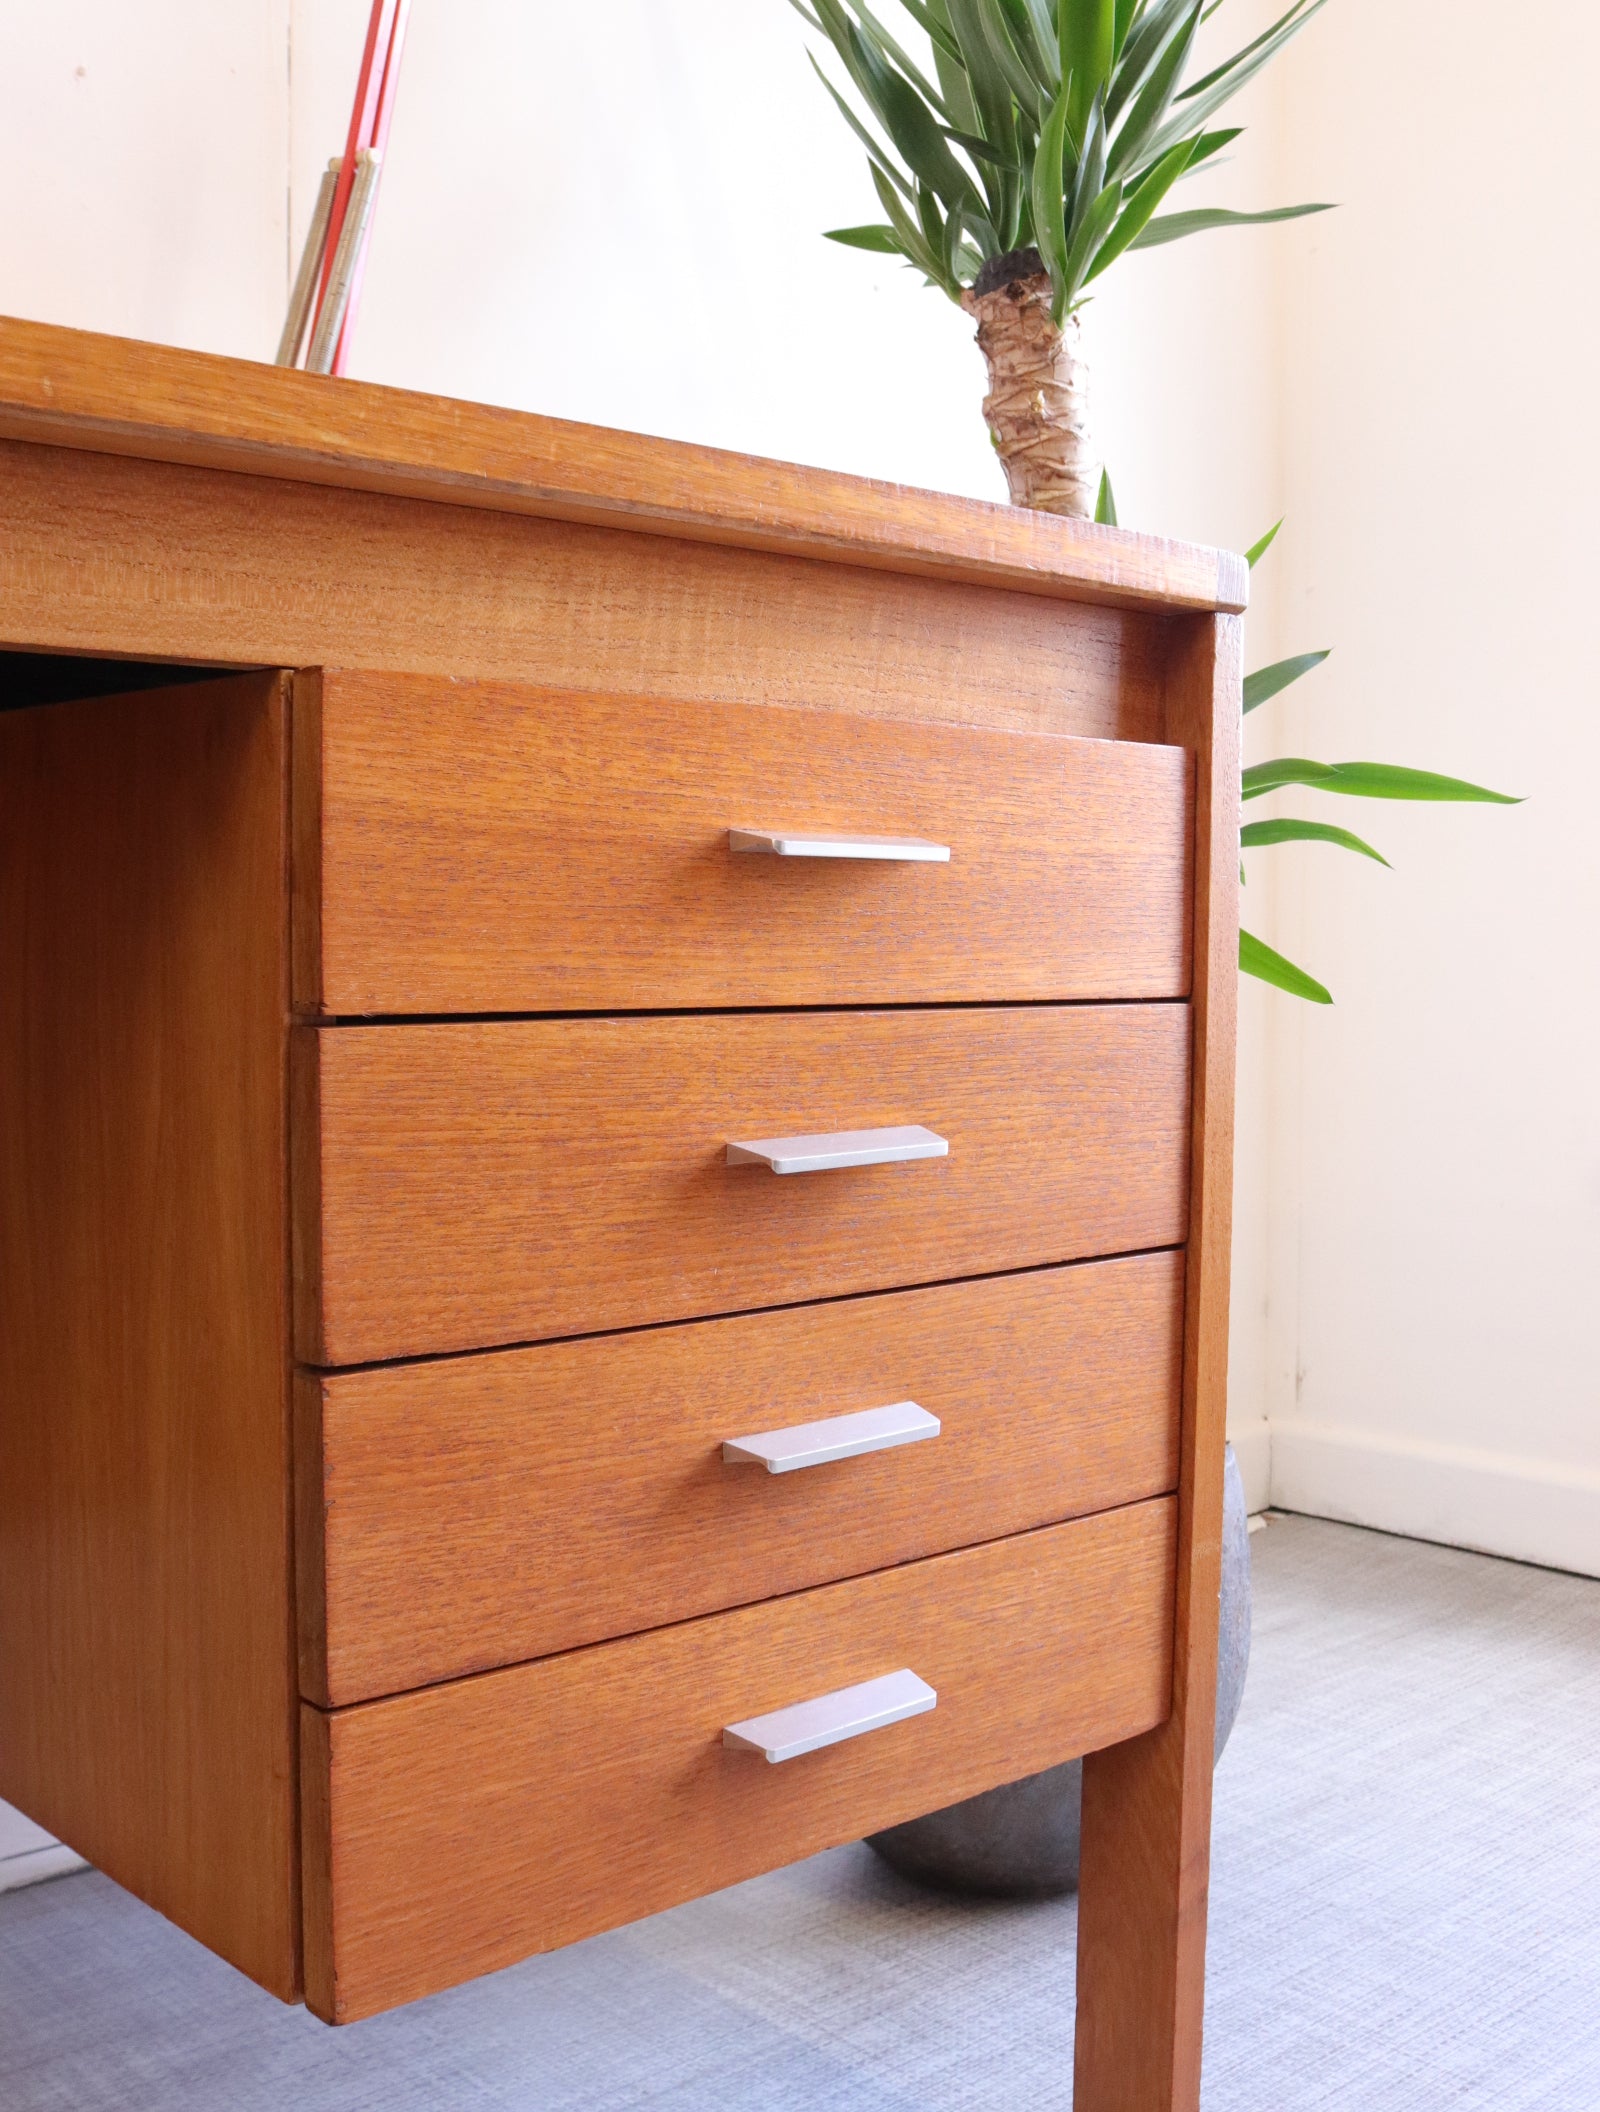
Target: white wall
1438, 1245
142, 163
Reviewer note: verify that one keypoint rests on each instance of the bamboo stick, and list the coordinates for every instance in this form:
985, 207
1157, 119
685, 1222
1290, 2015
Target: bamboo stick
325, 337
294, 327
369, 84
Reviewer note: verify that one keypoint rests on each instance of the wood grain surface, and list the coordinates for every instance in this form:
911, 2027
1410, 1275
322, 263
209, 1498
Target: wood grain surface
493, 848
146, 1634
1147, 1803
462, 1827
472, 1512
131, 558
73, 389
464, 1185
458, 1186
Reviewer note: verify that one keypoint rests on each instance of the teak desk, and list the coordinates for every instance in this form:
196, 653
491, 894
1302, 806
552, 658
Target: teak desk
384, 986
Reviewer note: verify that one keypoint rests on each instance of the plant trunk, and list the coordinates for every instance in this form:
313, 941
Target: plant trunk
1038, 401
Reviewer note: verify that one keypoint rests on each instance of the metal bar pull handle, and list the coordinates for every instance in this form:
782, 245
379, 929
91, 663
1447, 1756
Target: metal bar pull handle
839, 1437
844, 1147
787, 843
831, 1718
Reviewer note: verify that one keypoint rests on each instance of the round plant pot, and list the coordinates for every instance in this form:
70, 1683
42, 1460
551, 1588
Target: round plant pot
1021, 1841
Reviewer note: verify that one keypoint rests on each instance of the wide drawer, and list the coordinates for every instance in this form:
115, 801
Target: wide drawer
451, 1831
462, 1185
474, 1512
489, 847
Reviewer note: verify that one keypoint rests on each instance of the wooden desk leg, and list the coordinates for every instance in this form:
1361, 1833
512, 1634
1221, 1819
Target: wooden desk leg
1147, 1803
1142, 1893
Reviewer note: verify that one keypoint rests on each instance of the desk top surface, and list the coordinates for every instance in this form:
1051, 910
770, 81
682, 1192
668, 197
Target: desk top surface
110, 395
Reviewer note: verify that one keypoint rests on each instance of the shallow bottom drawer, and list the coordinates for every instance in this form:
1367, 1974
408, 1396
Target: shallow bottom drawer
452, 1831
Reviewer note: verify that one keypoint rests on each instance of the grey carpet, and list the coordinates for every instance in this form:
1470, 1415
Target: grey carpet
1406, 1918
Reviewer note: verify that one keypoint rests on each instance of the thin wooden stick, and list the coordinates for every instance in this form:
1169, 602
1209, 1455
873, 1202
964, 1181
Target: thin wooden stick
331, 315
294, 328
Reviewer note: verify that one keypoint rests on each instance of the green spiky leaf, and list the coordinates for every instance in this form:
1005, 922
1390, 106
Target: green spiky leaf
876, 157
1139, 137
1032, 28
991, 91
1259, 835
1367, 781
914, 130
1135, 216
1093, 230
1268, 681
936, 30
914, 244
1088, 36
1274, 35
875, 237
1258, 550
1141, 53
1223, 83
1257, 958
874, 30
1105, 505
1174, 227
1049, 207
981, 150
990, 56
1210, 144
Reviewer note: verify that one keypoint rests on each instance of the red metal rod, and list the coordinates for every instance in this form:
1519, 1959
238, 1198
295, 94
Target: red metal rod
362, 114
391, 75
379, 138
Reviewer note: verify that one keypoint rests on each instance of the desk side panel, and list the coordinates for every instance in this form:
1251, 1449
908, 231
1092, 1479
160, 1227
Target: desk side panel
146, 1675
1145, 1870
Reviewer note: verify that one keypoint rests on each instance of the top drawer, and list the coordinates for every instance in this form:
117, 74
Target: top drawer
491, 847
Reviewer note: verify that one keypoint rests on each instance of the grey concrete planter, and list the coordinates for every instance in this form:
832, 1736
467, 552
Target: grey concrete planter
1021, 1842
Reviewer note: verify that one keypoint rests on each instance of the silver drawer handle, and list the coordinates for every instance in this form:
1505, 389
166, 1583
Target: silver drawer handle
910, 850
844, 1147
839, 1437
831, 1718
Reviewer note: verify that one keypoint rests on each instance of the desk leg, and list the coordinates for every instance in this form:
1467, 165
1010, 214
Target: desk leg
1147, 1803
1142, 1890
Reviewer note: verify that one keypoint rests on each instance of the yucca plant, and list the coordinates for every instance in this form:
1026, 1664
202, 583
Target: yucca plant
1032, 149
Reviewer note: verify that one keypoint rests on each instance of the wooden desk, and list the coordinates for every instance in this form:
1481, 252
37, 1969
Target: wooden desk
376, 1291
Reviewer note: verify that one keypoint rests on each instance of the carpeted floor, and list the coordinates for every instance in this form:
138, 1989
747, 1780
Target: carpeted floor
1406, 1918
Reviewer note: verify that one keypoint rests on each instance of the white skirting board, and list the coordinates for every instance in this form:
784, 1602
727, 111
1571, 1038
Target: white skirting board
27, 1853
1499, 1503
36, 1865
1252, 1447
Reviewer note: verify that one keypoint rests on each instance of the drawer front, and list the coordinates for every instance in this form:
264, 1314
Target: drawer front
464, 1514
462, 1185
451, 1831
484, 847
